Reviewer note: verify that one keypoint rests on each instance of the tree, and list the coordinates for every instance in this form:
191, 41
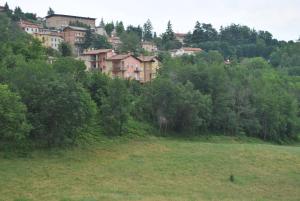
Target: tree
147, 31
13, 124
18, 14
109, 27
130, 43
169, 40
136, 30
88, 39
115, 108
58, 106
65, 49
120, 28
100, 42
50, 11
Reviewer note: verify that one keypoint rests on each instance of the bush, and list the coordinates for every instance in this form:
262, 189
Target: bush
13, 122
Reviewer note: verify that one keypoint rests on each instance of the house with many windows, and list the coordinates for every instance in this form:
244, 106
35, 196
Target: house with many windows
75, 36
29, 27
125, 66
96, 59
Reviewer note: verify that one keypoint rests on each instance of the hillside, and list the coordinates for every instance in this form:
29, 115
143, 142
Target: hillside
155, 169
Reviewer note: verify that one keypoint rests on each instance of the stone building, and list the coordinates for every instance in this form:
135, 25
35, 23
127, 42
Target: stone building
59, 21
75, 36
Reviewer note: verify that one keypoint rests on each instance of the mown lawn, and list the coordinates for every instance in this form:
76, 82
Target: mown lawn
155, 169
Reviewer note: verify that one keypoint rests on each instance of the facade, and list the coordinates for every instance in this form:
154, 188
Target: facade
101, 31
185, 50
150, 67
96, 59
2, 9
149, 46
58, 21
49, 39
75, 37
180, 37
29, 27
125, 66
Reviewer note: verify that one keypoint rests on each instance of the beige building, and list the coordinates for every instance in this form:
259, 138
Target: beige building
149, 46
60, 21
50, 39
150, 67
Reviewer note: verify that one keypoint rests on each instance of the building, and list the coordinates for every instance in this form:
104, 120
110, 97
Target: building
101, 31
96, 59
75, 37
125, 66
2, 9
180, 37
150, 67
185, 51
149, 46
29, 27
115, 42
59, 21
50, 39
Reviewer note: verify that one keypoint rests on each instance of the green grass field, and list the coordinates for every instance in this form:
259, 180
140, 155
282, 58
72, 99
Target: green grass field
155, 169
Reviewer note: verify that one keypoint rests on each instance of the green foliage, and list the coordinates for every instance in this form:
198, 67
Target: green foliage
115, 108
119, 28
135, 30
13, 122
109, 27
168, 40
100, 42
58, 107
183, 108
50, 11
147, 31
65, 49
130, 43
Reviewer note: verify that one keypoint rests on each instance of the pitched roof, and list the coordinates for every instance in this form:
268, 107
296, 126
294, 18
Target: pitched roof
93, 52
147, 58
70, 16
119, 57
76, 28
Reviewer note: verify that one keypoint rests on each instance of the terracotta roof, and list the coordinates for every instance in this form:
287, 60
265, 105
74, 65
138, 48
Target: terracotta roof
92, 52
192, 49
27, 23
147, 58
76, 28
119, 57
70, 16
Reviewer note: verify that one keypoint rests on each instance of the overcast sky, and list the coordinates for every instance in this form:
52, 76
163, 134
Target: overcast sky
281, 18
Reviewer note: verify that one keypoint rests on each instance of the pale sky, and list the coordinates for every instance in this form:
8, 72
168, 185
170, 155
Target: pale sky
281, 18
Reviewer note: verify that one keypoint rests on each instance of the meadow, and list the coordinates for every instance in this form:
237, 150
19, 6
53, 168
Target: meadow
155, 169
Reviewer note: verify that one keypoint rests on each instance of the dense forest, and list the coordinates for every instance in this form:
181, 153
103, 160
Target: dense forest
46, 104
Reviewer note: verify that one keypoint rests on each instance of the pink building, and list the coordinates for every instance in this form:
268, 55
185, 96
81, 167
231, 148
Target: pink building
125, 66
96, 59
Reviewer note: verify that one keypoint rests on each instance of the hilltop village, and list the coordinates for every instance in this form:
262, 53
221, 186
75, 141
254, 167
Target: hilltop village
57, 29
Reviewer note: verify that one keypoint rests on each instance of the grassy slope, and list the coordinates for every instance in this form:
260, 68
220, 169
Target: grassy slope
155, 169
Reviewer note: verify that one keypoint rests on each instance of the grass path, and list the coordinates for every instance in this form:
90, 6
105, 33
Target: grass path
155, 170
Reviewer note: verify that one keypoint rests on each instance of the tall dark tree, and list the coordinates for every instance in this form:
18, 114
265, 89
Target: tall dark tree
109, 27
119, 28
50, 11
147, 31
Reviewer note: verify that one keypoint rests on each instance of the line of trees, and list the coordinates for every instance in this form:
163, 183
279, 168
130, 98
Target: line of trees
55, 104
